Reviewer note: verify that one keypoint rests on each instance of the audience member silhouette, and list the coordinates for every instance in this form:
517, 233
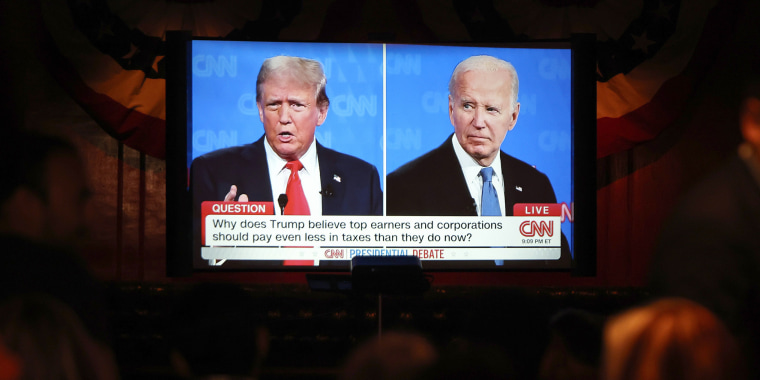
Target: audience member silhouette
392, 356
670, 339
709, 250
217, 332
50, 342
44, 191
10, 363
43, 205
575, 346
465, 359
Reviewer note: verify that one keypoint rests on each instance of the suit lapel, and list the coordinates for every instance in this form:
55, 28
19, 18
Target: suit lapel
256, 180
331, 180
510, 187
456, 198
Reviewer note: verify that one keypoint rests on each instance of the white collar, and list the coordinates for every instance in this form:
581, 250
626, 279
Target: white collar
276, 163
470, 167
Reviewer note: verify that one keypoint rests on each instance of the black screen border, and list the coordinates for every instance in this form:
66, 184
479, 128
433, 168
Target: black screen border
179, 260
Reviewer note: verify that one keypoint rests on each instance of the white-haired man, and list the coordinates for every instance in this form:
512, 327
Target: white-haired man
469, 174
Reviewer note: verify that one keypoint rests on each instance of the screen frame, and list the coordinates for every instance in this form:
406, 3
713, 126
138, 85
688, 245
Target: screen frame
583, 140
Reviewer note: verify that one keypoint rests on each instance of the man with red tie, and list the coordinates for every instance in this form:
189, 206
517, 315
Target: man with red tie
287, 165
292, 102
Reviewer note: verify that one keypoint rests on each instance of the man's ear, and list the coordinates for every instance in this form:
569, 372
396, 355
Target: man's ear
451, 109
322, 114
750, 122
261, 112
515, 114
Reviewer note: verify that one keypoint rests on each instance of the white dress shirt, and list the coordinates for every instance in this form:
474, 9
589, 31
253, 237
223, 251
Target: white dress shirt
309, 174
471, 171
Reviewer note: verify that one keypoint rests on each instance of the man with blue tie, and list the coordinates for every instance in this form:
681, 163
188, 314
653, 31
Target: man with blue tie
469, 174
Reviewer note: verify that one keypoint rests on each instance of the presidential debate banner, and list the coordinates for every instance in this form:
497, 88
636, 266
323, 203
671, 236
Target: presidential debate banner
388, 103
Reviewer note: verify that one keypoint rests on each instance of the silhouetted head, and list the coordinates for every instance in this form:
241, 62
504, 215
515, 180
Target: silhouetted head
574, 348
44, 192
670, 339
394, 356
216, 329
50, 341
465, 359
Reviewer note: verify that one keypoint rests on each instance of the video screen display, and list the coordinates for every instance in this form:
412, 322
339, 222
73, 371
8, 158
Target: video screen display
385, 173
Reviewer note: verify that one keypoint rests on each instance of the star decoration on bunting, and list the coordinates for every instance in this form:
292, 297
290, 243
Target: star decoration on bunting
641, 42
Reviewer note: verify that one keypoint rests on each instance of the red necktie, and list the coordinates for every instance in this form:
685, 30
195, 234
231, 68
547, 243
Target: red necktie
297, 204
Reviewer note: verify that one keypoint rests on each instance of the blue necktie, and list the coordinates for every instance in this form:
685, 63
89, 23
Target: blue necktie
489, 201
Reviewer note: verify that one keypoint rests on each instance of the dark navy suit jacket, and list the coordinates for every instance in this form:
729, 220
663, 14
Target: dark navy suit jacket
434, 185
350, 186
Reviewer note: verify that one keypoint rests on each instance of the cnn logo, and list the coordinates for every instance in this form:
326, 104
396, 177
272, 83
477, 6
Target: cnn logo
530, 228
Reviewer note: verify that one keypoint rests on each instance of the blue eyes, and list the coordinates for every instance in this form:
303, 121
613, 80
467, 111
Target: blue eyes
470, 106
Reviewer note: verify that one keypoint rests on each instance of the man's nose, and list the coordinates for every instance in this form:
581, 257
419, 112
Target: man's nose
284, 115
478, 118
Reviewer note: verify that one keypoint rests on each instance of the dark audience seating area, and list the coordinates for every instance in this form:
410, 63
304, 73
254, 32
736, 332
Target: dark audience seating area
313, 331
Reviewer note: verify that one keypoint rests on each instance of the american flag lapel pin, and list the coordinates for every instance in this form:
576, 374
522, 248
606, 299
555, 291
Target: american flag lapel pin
336, 178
